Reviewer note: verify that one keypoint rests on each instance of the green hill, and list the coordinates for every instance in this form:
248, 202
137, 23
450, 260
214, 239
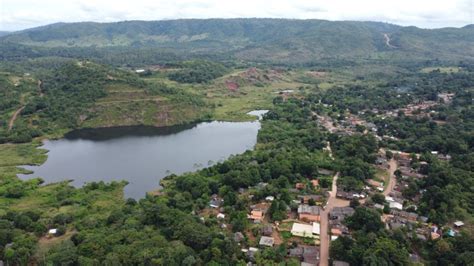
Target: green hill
261, 40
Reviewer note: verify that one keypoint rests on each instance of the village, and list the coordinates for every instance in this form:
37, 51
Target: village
316, 215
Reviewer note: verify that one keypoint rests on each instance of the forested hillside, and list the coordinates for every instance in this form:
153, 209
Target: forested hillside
261, 40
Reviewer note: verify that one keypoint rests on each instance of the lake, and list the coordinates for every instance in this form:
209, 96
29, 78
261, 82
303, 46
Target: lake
142, 155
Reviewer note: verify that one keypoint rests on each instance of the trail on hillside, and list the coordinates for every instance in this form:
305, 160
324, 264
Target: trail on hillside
15, 115
387, 41
40, 88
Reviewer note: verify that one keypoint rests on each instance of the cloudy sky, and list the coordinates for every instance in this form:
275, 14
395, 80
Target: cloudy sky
21, 14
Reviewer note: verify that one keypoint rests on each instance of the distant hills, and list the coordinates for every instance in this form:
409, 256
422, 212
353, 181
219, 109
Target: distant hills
260, 40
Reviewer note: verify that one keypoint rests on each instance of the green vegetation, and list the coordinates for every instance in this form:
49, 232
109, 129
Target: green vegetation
199, 70
312, 42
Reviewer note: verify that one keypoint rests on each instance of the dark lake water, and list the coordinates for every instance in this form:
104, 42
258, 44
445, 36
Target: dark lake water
142, 155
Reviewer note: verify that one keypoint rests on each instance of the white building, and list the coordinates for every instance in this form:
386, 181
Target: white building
306, 230
396, 205
270, 198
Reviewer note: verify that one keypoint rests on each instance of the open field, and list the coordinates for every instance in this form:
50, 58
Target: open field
441, 69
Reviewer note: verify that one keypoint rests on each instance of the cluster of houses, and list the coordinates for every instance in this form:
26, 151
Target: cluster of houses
304, 220
304, 217
336, 218
346, 126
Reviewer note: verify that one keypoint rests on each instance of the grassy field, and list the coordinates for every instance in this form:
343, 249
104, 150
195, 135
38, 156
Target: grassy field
441, 69
12, 155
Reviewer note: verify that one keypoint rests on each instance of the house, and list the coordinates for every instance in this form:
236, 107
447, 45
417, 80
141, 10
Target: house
266, 241
458, 224
340, 213
435, 236
220, 216
270, 198
238, 237
409, 216
139, 71
306, 198
309, 255
395, 205
316, 229
256, 216
52, 231
267, 230
345, 195
306, 230
215, 202
336, 231
315, 182
250, 252
300, 186
309, 213
378, 206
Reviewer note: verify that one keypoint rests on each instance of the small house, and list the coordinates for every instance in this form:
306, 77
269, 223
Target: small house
458, 224
309, 213
395, 205
306, 198
215, 202
238, 237
306, 230
266, 241
435, 236
256, 216
267, 230
270, 198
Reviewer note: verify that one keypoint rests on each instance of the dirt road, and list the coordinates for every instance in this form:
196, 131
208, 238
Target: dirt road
324, 237
392, 178
387, 41
335, 202
15, 115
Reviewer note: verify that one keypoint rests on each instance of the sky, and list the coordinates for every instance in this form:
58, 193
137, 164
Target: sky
22, 14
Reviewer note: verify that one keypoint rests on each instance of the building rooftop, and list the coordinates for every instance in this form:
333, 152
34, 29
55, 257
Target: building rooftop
266, 241
304, 208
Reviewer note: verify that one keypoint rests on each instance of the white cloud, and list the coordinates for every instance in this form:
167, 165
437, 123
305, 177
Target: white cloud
20, 14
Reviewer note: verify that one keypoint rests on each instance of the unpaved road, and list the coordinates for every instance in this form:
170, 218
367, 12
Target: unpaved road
15, 115
387, 41
324, 237
392, 179
335, 202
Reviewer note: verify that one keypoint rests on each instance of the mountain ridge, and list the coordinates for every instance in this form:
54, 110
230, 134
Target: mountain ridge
276, 40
